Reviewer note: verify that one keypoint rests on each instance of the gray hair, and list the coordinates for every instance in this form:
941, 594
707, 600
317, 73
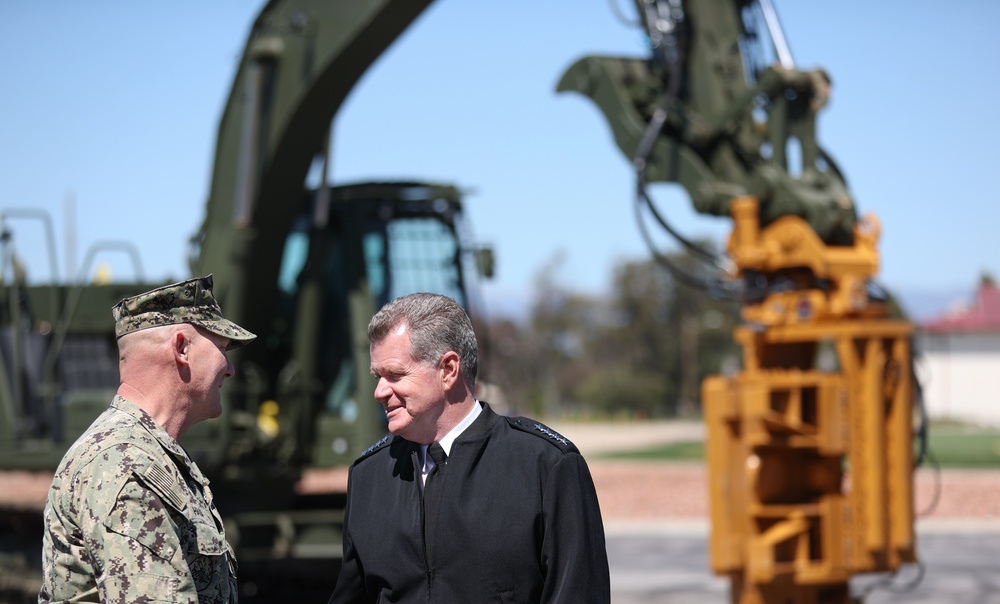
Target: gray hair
437, 325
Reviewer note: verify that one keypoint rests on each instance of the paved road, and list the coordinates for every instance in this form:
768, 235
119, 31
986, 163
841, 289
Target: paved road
663, 564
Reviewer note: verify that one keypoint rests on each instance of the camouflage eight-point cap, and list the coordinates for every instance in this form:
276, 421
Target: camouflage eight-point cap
185, 302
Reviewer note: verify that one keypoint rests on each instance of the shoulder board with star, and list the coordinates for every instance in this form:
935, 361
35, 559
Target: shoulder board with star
544, 432
381, 443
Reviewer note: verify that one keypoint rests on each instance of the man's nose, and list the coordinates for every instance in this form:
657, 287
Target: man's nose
382, 390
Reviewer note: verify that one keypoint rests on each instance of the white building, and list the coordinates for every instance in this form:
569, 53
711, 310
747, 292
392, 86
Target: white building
958, 360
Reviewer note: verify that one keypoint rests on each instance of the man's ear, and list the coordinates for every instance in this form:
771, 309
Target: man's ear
450, 367
180, 344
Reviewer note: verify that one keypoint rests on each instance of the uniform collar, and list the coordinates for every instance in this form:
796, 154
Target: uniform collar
156, 431
455, 432
448, 439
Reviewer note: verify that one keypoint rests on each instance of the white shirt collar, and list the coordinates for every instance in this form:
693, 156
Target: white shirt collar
449, 438
455, 432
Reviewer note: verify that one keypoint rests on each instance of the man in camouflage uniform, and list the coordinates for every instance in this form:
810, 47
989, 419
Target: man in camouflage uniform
130, 517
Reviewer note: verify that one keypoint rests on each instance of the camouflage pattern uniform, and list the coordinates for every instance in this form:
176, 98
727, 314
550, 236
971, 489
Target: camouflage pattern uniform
130, 518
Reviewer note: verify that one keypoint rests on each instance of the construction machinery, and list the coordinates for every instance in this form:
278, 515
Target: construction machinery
809, 445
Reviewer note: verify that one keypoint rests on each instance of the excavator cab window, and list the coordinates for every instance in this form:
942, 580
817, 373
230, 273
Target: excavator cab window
410, 254
408, 245
378, 240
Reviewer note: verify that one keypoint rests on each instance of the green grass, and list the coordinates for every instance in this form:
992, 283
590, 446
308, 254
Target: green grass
954, 446
951, 446
679, 451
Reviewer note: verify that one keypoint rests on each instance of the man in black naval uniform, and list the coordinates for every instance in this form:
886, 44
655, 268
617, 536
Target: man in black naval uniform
461, 505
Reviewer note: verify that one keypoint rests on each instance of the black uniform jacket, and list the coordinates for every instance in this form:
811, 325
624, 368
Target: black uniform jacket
518, 522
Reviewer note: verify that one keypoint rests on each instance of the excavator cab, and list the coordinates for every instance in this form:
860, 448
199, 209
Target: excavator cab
352, 248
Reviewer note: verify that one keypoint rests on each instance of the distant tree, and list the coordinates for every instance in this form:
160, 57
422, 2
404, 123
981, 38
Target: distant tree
642, 350
561, 321
664, 336
534, 364
509, 370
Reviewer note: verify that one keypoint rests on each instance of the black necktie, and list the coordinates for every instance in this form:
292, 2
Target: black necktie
432, 487
436, 451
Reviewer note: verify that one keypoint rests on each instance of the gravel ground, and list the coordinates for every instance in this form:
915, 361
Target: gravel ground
640, 490
673, 491
652, 491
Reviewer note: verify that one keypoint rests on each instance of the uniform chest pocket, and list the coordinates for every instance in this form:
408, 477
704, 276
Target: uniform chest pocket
210, 558
205, 540
143, 587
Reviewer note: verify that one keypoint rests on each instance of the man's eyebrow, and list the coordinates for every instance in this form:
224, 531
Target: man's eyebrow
388, 369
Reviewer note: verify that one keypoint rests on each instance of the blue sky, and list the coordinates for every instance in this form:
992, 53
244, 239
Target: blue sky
116, 104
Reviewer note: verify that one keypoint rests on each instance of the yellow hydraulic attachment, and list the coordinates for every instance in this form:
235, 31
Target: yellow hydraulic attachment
810, 446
